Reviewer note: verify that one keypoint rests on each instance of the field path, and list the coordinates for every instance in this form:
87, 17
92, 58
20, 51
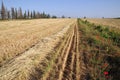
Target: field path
67, 63
70, 65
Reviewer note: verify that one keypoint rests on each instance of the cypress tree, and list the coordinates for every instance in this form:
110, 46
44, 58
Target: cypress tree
3, 11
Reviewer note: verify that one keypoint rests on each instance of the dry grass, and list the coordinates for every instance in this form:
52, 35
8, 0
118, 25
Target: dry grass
108, 22
17, 36
46, 33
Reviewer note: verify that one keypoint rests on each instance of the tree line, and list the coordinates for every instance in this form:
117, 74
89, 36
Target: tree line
15, 13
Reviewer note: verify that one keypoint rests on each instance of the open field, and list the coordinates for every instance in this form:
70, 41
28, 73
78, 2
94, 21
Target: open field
107, 22
18, 36
28, 36
25, 43
59, 40
58, 49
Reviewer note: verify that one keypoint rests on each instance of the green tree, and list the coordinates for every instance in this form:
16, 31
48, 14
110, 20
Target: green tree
84, 17
31, 15
34, 14
25, 15
38, 15
63, 16
48, 15
3, 11
8, 14
20, 14
16, 13
54, 16
28, 15
13, 13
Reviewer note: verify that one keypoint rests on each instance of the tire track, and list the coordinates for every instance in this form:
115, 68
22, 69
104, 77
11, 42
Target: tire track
67, 63
72, 68
58, 61
59, 65
65, 57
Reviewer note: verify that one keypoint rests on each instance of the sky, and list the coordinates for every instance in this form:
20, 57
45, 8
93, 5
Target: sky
72, 8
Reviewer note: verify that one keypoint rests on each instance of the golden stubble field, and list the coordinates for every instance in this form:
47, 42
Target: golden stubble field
106, 22
17, 36
56, 49
23, 44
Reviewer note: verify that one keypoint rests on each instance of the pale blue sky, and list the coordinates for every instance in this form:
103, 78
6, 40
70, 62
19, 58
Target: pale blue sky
73, 8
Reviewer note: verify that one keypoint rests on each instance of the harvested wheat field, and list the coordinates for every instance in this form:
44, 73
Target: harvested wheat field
58, 49
18, 36
59, 40
24, 44
107, 22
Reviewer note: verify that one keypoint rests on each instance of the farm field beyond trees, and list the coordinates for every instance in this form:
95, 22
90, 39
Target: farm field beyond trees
108, 22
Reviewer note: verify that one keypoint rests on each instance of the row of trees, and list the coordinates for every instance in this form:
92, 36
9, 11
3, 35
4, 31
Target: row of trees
15, 13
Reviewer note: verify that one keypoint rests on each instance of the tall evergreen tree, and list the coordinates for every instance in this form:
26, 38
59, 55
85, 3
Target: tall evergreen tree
43, 15
3, 11
13, 13
8, 14
48, 16
28, 15
20, 15
38, 15
25, 15
34, 14
16, 13
31, 15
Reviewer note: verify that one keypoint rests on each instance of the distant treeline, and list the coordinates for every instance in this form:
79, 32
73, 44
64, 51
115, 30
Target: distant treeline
117, 18
15, 13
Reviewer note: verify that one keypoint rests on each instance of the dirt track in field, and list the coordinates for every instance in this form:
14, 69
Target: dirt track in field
71, 59
67, 63
71, 66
